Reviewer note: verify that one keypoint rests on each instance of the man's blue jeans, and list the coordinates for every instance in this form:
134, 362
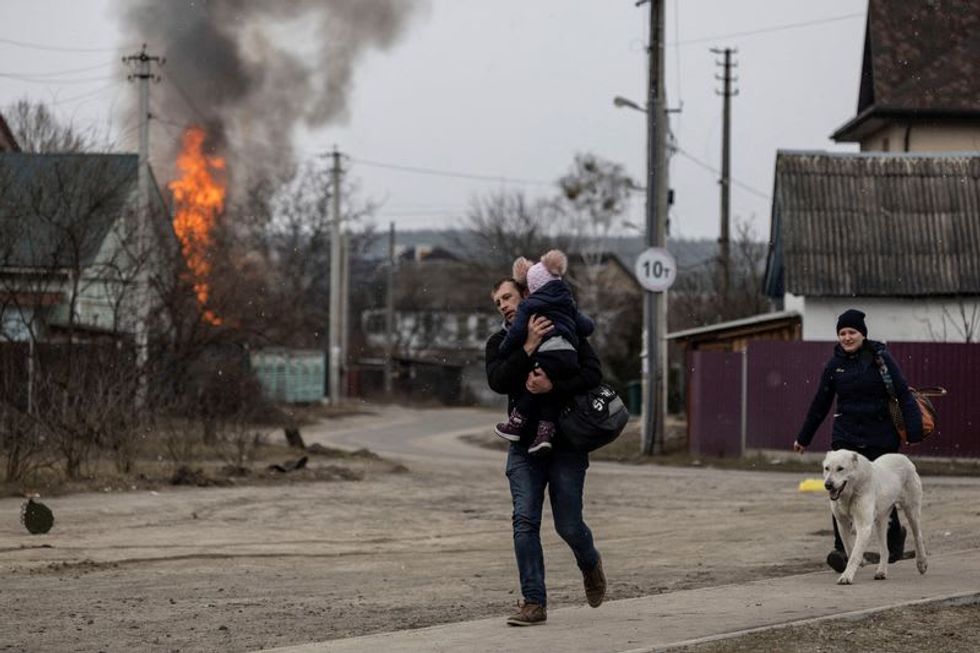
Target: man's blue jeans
563, 474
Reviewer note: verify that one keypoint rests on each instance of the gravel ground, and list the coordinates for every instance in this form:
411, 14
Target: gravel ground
257, 566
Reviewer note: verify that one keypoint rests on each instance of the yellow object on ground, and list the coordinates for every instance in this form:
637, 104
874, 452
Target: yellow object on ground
812, 485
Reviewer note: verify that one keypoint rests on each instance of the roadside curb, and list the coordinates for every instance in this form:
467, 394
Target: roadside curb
961, 598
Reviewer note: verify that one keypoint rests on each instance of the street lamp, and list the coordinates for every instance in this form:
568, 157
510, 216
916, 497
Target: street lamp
619, 102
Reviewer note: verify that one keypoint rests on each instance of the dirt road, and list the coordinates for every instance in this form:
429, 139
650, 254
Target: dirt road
247, 568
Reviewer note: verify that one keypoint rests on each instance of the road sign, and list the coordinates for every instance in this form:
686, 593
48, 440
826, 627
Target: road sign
656, 269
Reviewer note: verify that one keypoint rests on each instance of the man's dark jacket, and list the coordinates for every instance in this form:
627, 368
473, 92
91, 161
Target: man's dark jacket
507, 374
862, 419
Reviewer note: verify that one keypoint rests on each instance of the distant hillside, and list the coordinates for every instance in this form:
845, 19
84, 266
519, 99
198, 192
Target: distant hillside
689, 253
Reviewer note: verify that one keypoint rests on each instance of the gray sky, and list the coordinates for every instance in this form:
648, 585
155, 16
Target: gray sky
515, 88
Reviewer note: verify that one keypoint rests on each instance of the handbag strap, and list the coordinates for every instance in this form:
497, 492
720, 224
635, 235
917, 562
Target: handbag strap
886, 376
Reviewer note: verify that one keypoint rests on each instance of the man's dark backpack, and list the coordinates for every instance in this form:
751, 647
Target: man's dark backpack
593, 419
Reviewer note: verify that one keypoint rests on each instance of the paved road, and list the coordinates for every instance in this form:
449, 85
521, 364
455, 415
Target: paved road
412, 434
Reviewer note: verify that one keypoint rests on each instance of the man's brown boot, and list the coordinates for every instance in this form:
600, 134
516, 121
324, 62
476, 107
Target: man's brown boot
595, 585
528, 614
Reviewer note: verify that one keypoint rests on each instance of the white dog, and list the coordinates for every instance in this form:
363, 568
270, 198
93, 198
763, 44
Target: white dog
862, 494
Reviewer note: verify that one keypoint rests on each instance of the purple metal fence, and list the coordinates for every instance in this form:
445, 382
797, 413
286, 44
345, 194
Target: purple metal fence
714, 403
782, 378
956, 367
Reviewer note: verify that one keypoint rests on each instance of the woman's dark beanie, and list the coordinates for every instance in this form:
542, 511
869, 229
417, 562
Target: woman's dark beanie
853, 319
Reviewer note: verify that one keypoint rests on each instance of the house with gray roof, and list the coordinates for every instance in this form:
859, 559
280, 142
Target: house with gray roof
920, 78
896, 235
894, 229
69, 256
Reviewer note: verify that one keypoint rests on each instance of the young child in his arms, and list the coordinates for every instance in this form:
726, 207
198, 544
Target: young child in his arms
548, 296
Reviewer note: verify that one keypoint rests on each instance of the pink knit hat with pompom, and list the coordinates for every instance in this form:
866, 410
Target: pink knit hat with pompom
551, 266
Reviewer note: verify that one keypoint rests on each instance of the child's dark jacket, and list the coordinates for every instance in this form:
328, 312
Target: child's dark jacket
552, 300
507, 374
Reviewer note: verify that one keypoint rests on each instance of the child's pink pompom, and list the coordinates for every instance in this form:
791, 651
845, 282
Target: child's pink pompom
521, 266
555, 262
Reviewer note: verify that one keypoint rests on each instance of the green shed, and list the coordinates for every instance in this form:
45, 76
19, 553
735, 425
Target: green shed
292, 376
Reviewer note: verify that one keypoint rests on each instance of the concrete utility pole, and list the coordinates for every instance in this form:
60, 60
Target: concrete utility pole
390, 316
724, 240
655, 304
335, 281
143, 73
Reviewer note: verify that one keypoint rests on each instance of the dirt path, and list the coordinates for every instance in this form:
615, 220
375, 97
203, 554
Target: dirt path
247, 568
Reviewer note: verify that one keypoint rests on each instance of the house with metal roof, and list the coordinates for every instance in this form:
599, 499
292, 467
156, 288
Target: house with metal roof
920, 78
896, 235
70, 259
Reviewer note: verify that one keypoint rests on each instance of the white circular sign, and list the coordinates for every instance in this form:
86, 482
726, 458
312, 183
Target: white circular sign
656, 269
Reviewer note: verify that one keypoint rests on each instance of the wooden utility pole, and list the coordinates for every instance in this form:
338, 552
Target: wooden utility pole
345, 314
390, 316
335, 282
724, 239
143, 62
655, 304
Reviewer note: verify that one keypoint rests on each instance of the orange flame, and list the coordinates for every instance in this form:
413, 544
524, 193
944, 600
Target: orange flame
199, 196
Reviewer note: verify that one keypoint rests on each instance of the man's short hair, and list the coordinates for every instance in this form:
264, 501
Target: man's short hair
521, 288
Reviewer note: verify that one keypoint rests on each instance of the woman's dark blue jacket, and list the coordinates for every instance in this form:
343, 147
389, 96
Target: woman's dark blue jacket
862, 419
552, 300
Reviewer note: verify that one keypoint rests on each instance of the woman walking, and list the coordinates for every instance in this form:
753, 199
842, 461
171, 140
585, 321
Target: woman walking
863, 421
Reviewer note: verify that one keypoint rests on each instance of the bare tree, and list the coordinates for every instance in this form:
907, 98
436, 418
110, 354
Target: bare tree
594, 200
37, 129
696, 299
963, 321
68, 275
595, 196
502, 225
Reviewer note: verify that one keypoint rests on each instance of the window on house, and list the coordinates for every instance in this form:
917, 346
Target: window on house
482, 327
463, 327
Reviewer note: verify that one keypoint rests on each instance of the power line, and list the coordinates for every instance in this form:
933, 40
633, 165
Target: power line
451, 174
774, 28
735, 182
30, 79
88, 94
57, 48
61, 72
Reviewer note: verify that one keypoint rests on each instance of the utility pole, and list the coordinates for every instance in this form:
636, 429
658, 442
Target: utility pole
345, 314
724, 240
655, 304
390, 316
143, 61
335, 281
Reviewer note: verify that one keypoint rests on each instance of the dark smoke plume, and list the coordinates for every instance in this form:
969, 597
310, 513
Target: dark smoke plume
250, 71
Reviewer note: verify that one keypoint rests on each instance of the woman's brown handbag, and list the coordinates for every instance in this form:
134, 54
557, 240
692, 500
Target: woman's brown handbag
921, 396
